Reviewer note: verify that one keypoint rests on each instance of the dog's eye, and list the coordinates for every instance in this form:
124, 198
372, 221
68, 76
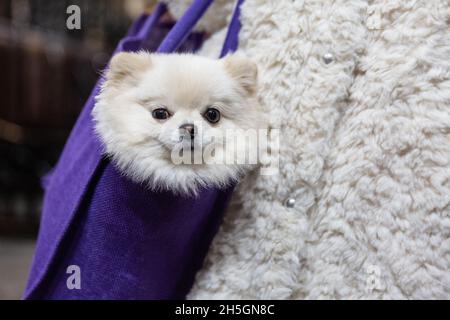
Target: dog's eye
160, 114
212, 115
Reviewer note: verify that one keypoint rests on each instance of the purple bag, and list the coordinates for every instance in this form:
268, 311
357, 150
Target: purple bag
128, 242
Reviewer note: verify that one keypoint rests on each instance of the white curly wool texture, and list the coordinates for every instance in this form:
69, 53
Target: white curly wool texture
364, 151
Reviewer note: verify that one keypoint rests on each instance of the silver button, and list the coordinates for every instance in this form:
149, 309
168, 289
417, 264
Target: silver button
328, 58
290, 202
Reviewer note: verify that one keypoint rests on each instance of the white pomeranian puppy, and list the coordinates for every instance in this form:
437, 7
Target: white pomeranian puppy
172, 121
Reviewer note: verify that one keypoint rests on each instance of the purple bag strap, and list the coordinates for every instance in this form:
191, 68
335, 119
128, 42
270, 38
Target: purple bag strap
231, 40
140, 31
146, 28
184, 26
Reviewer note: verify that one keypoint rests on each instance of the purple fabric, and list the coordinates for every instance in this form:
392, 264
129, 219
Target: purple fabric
232, 39
182, 29
129, 242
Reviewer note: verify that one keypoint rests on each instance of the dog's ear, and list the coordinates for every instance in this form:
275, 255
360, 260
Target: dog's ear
244, 71
127, 66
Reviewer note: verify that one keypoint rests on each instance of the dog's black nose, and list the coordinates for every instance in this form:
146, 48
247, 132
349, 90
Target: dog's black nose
189, 128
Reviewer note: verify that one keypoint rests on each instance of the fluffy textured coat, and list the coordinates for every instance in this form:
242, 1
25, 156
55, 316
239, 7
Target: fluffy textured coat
361, 91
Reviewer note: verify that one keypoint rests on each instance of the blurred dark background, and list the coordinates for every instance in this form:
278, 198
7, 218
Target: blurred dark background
46, 74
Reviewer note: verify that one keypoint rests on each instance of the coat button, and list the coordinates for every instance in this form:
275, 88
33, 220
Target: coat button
289, 202
328, 58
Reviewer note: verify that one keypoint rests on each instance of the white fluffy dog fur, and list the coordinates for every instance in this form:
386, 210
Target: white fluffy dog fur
184, 85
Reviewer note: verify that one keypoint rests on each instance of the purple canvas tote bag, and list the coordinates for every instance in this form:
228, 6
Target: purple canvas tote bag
123, 240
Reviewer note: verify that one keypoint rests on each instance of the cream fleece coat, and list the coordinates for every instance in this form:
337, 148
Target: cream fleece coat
361, 92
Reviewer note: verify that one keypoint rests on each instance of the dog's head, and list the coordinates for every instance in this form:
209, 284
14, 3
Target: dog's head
167, 119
